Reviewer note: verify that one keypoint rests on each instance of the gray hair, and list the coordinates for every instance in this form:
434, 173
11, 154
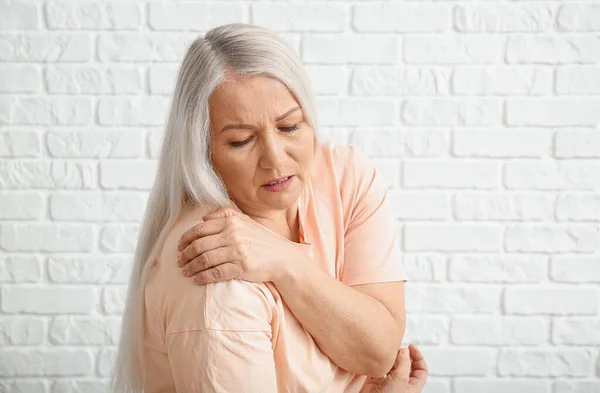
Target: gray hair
185, 172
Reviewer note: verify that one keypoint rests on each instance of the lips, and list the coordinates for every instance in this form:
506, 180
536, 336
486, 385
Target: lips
277, 180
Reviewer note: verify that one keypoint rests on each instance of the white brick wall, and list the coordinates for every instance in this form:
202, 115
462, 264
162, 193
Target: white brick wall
483, 116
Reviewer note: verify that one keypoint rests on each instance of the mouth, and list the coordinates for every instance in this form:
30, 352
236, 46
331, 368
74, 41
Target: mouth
277, 181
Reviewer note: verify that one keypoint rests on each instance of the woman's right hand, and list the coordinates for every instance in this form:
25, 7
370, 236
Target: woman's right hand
408, 375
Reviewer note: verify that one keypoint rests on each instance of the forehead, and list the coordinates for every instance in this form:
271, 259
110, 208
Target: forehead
250, 98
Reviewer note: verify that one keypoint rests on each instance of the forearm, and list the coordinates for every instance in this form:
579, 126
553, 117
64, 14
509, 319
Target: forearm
356, 331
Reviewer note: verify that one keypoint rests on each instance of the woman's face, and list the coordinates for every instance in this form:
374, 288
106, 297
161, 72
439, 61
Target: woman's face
259, 133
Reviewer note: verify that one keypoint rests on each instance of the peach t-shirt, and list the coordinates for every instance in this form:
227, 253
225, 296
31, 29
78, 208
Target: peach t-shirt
237, 336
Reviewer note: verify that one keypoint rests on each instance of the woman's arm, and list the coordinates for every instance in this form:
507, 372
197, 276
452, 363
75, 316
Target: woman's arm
222, 361
360, 328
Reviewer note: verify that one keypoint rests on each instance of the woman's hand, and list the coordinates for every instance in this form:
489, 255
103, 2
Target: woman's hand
408, 375
230, 245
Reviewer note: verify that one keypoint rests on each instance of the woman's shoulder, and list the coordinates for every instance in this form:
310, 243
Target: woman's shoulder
178, 304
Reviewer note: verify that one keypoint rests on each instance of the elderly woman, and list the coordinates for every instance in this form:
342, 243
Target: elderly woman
266, 260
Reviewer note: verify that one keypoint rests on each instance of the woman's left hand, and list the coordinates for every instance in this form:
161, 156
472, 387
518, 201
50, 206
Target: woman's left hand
230, 245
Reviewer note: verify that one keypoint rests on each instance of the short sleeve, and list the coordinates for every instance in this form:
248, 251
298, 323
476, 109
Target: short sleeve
371, 253
222, 361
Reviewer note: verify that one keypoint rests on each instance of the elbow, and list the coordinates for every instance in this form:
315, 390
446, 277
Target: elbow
384, 355
381, 363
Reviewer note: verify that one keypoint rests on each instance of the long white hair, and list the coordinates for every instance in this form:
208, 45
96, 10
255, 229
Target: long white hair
185, 173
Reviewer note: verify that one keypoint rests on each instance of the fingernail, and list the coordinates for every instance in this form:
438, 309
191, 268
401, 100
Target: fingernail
178, 260
185, 271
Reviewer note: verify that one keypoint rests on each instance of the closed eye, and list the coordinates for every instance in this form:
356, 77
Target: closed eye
245, 141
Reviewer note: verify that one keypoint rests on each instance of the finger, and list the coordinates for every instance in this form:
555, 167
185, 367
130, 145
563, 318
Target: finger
401, 368
207, 260
419, 372
223, 212
203, 228
224, 272
200, 246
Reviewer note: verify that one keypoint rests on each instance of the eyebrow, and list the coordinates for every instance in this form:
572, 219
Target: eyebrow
248, 126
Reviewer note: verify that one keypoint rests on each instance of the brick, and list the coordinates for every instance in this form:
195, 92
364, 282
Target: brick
400, 81
402, 18
379, 142
552, 49
143, 111
23, 386
48, 300
576, 331
499, 206
84, 331
552, 175
46, 362
575, 207
575, 269
128, 47
578, 80
499, 331
45, 47
328, 79
136, 175
576, 386
194, 16
577, 144
451, 112
119, 238
77, 386
19, 15
95, 144
111, 15
451, 174
355, 112
22, 331
19, 78
531, 17
299, 17
563, 362
452, 299
424, 267
543, 112
453, 237
502, 143
553, 301
45, 237
20, 144
579, 17
162, 79
473, 361
497, 268
121, 207
90, 270
21, 205
427, 330
552, 238
353, 49
106, 361
22, 174
452, 49
503, 385
419, 205
19, 269
154, 142
69, 79
113, 299
502, 80
48, 111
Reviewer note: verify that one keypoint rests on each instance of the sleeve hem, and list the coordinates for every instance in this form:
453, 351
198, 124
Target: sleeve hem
217, 330
376, 277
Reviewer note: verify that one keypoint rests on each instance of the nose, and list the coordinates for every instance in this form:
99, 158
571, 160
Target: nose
272, 153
